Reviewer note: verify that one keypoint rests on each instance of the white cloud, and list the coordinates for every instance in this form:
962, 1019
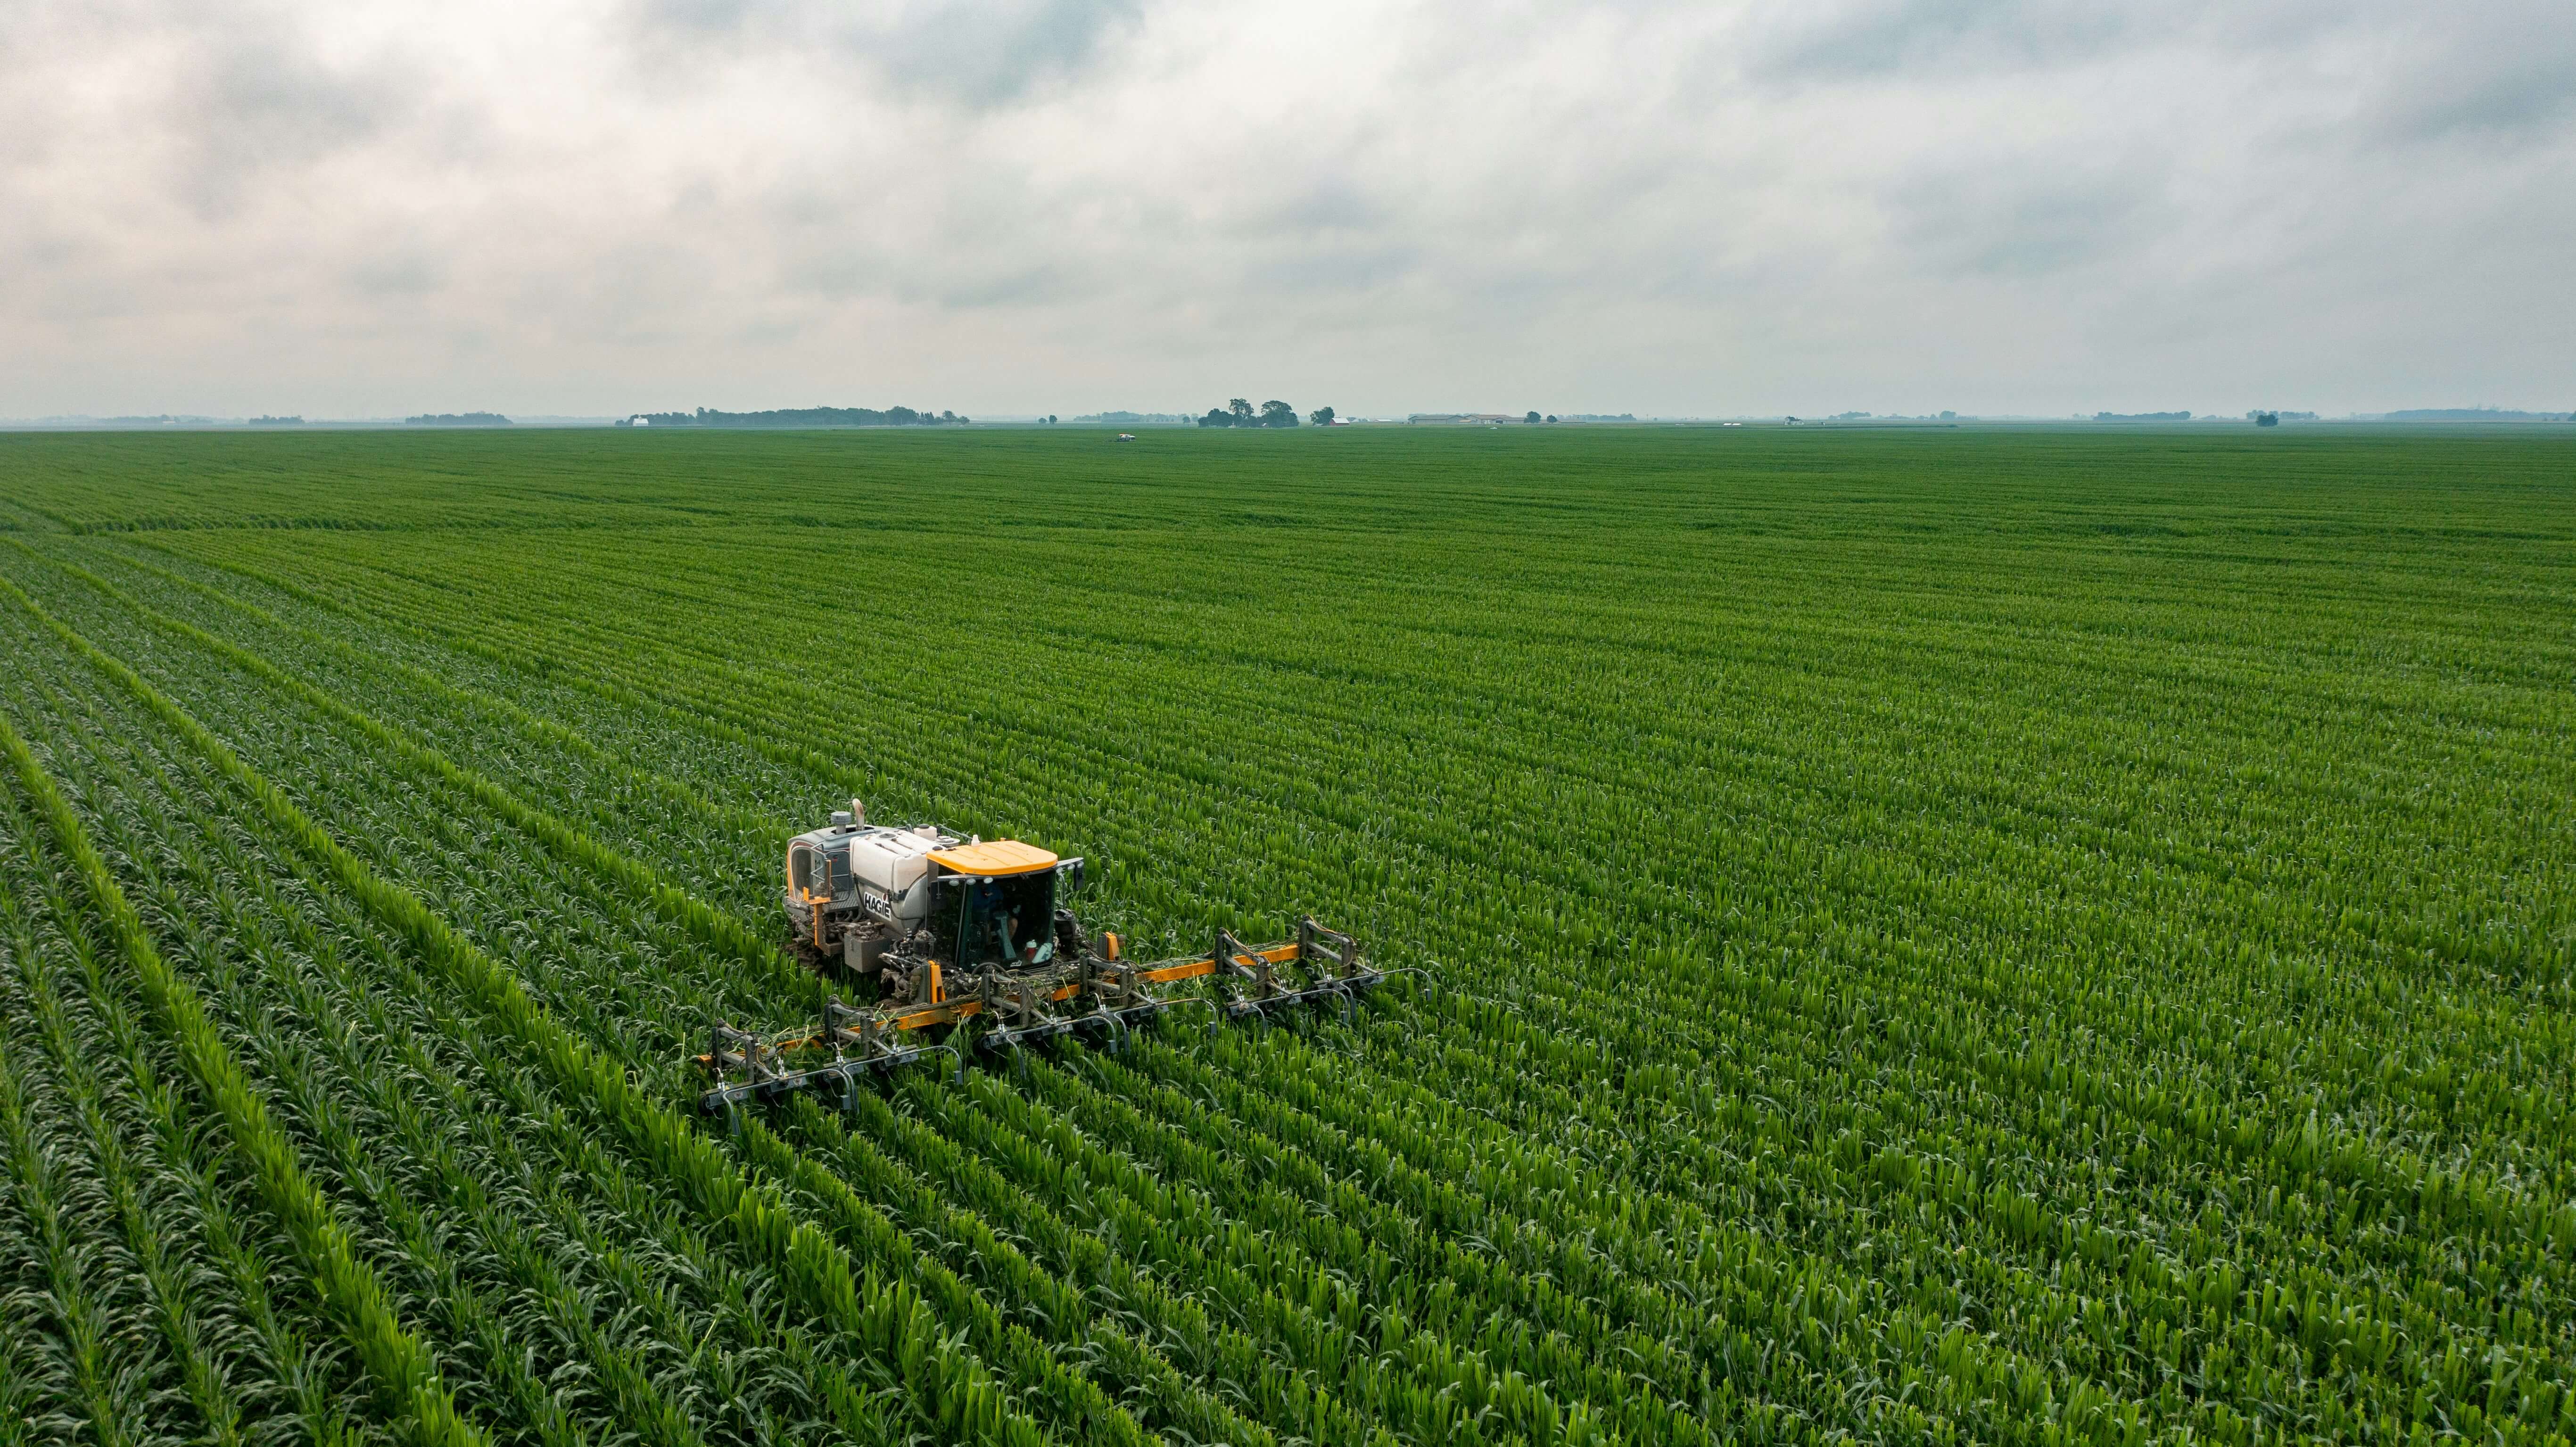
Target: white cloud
1059, 205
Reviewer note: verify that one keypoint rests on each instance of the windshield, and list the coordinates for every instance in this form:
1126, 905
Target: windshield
1005, 921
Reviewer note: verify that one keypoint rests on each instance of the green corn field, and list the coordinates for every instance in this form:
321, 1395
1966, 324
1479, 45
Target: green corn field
1951, 936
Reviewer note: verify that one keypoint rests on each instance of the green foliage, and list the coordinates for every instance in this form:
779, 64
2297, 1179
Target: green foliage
404, 1371
1240, 413
2020, 937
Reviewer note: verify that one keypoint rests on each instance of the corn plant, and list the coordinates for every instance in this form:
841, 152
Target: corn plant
2016, 937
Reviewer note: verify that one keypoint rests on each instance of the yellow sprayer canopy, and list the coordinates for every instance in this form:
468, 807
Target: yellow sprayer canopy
995, 856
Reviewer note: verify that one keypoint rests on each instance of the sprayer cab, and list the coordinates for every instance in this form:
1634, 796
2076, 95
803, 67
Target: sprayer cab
858, 894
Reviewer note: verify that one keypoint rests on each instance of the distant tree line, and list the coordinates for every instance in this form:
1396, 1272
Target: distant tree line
459, 419
2142, 417
283, 421
799, 417
1239, 413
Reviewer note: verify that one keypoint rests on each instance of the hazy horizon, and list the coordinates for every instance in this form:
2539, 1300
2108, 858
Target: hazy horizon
1999, 208
1160, 418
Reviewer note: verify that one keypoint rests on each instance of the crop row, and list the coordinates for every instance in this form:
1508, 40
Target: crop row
1790, 1070
946, 1384
683, 914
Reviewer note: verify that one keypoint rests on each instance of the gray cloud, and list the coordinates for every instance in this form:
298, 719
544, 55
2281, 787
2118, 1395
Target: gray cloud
2484, 77
983, 54
2028, 218
1043, 204
402, 273
252, 97
1867, 38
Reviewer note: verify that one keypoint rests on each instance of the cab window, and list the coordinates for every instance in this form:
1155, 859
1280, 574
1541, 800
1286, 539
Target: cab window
1005, 921
810, 871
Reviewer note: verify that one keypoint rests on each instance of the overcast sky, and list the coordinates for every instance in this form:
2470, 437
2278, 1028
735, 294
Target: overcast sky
348, 209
